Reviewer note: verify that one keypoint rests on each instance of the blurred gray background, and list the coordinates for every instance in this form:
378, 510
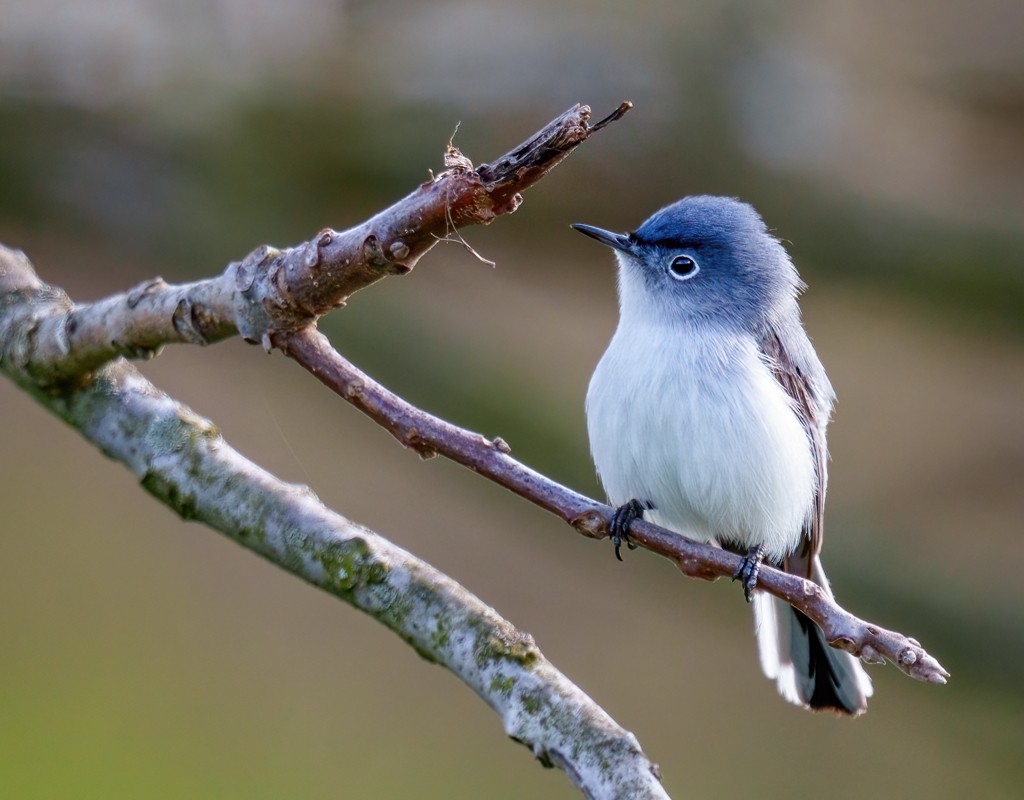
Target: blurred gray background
144, 657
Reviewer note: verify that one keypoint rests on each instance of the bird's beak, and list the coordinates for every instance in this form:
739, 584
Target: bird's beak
619, 241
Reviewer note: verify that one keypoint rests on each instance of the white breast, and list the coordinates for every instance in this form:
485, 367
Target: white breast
693, 421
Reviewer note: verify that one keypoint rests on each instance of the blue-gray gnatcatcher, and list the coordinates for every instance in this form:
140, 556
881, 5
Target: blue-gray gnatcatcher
708, 412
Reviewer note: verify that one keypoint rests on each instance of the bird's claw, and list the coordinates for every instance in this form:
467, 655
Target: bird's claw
748, 570
621, 520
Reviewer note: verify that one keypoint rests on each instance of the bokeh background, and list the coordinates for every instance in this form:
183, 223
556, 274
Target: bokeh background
144, 657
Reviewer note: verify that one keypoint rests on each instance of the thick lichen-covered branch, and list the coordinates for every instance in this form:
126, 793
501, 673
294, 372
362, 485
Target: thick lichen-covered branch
429, 435
274, 290
183, 461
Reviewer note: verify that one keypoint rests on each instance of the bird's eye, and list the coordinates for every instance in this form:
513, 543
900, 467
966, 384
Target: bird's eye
683, 267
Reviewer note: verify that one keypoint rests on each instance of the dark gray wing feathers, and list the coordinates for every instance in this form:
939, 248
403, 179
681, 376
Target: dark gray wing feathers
797, 369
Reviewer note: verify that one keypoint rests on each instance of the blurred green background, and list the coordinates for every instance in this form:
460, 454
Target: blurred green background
143, 657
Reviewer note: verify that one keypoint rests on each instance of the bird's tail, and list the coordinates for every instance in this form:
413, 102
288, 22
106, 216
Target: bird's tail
796, 656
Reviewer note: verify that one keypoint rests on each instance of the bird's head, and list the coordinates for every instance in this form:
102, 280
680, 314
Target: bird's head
704, 259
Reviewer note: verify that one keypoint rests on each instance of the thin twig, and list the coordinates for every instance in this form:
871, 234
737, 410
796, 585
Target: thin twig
429, 435
452, 235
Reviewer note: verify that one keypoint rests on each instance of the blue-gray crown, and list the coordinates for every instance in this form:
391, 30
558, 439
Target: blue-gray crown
700, 221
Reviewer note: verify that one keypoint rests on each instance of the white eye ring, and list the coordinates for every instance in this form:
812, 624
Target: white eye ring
683, 267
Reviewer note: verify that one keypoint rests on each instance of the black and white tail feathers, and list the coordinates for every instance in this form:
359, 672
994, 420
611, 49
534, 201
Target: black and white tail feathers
796, 656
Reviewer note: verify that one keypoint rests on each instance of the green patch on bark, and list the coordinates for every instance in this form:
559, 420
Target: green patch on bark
181, 431
348, 565
531, 702
169, 493
504, 643
441, 635
503, 685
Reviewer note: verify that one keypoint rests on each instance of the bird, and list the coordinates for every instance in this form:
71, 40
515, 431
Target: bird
707, 415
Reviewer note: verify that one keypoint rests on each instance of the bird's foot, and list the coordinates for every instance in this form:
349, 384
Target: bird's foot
749, 569
621, 520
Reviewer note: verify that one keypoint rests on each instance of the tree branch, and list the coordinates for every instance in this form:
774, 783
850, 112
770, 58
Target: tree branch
272, 290
429, 435
182, 460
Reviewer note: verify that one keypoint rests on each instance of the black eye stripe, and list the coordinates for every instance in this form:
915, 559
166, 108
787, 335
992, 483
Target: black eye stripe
683, 267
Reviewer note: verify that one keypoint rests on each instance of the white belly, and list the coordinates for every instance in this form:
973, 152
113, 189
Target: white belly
698, 426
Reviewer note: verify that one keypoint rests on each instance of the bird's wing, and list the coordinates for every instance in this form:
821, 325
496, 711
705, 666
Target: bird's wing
797, 369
